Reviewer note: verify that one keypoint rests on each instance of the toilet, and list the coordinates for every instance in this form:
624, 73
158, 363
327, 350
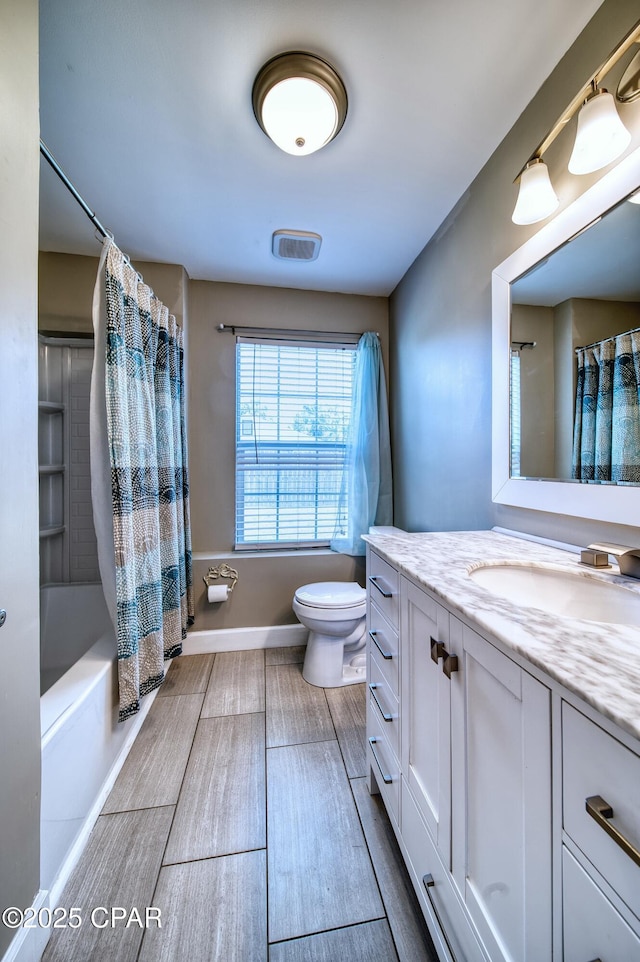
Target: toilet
335, 614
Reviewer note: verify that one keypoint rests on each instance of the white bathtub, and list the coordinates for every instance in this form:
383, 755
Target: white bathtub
83, 744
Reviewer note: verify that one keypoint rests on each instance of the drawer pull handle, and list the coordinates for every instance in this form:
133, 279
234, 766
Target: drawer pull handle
387, 779
385, 654
429, 882
385, 714
437, 650
450, 663
601, 811
383, 591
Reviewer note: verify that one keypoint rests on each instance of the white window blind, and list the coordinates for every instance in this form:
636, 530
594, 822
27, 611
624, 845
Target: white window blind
293, 408
515, 413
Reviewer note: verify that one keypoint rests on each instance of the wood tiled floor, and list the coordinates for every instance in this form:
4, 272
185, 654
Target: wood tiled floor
242, 814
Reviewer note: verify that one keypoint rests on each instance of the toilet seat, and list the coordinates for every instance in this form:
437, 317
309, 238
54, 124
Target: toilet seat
332, 595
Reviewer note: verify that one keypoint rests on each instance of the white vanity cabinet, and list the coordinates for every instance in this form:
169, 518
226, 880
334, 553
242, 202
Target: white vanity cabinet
474, 818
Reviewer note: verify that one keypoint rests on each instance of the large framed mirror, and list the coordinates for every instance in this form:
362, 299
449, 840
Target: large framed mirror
574, 283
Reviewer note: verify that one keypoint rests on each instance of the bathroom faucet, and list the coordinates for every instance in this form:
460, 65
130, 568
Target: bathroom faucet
628, 558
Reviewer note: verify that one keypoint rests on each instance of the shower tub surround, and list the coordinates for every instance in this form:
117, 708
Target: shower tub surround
504, 741
599, 662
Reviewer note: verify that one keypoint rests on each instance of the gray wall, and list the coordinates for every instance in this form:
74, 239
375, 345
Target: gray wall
20, 637
267, 581
440, 318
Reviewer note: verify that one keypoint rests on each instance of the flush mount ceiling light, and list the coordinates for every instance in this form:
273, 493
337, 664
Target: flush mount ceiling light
299, 101
601, 137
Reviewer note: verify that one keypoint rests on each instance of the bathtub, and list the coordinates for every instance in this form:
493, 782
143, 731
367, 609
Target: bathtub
83, 744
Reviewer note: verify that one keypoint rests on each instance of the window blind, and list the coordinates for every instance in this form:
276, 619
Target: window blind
515, 414
293, 408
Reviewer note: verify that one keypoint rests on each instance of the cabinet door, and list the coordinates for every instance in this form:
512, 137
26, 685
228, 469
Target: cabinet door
426, 701
501, 788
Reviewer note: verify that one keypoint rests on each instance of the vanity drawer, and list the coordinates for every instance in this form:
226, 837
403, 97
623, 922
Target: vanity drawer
592, 928
384, 704
596, 765
384, 764
383, 588
383, 644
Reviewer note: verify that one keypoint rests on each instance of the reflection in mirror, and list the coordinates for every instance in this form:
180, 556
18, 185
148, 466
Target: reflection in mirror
585, 294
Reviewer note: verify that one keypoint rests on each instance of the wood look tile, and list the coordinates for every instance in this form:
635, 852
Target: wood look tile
236, 684
119, 867
370, 942
406, 921
297, 712
212, 910
285, 656
320, 875
187, 674
153, 771
222, 805
348, 709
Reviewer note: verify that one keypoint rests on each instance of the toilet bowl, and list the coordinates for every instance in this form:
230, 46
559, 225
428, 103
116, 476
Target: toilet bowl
335, 614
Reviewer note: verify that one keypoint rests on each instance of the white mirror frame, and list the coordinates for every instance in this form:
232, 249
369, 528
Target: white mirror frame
617, 504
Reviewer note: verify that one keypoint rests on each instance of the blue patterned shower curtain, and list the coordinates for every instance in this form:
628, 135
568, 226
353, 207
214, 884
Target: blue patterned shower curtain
139, 475
606, 440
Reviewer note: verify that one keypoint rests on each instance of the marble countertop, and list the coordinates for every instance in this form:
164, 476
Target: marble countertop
599, 662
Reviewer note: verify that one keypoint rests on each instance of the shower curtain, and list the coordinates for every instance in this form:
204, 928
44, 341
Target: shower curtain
139, 485
606, 441
366, 492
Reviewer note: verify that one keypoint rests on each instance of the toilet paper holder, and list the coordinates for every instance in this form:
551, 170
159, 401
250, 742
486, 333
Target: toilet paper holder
221, 571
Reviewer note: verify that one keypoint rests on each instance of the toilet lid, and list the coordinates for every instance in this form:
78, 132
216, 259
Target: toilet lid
331, 594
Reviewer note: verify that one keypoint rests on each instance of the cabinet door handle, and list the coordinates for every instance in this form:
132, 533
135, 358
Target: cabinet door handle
383, 591
385, 714
387, 779
437, 650
385, 654
429, 882
601, 811
450, 663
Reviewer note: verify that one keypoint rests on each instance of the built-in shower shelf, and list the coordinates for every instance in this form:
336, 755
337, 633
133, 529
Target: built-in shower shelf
52, 530
51, 469
50, 407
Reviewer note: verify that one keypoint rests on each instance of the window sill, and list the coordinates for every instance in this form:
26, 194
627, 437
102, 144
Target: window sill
266, 553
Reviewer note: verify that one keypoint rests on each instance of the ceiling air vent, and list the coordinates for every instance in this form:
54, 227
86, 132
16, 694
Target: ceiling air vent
296, 245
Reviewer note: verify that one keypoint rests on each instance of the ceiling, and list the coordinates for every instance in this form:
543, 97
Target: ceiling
146, 105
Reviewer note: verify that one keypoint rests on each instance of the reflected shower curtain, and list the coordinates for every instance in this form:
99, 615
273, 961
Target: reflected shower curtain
139, 475
366, 495
606, 440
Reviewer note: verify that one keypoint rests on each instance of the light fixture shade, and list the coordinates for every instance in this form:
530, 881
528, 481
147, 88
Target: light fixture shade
300, 102
536, 197
601, 136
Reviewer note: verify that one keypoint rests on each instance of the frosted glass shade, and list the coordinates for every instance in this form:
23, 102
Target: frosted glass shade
299, 115
536, 197
601, 136
299, 101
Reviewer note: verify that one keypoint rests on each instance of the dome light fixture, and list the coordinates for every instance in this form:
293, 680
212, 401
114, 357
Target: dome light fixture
300, 102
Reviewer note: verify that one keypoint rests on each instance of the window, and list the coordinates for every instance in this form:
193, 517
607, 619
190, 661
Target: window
515, 412
293, 408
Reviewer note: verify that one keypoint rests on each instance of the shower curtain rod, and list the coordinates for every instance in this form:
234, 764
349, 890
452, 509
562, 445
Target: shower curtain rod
55, 166
285, 333
634, 330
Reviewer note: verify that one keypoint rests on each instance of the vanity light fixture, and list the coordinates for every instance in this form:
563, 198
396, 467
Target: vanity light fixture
300, 102
601, 137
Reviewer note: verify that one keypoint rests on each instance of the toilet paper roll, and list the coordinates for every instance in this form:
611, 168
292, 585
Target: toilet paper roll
217, 592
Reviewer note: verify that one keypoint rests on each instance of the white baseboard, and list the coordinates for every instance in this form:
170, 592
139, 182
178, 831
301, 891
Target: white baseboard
244, 639
29, 943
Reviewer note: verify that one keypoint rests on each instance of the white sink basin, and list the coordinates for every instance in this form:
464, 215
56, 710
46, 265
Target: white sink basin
561, 592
